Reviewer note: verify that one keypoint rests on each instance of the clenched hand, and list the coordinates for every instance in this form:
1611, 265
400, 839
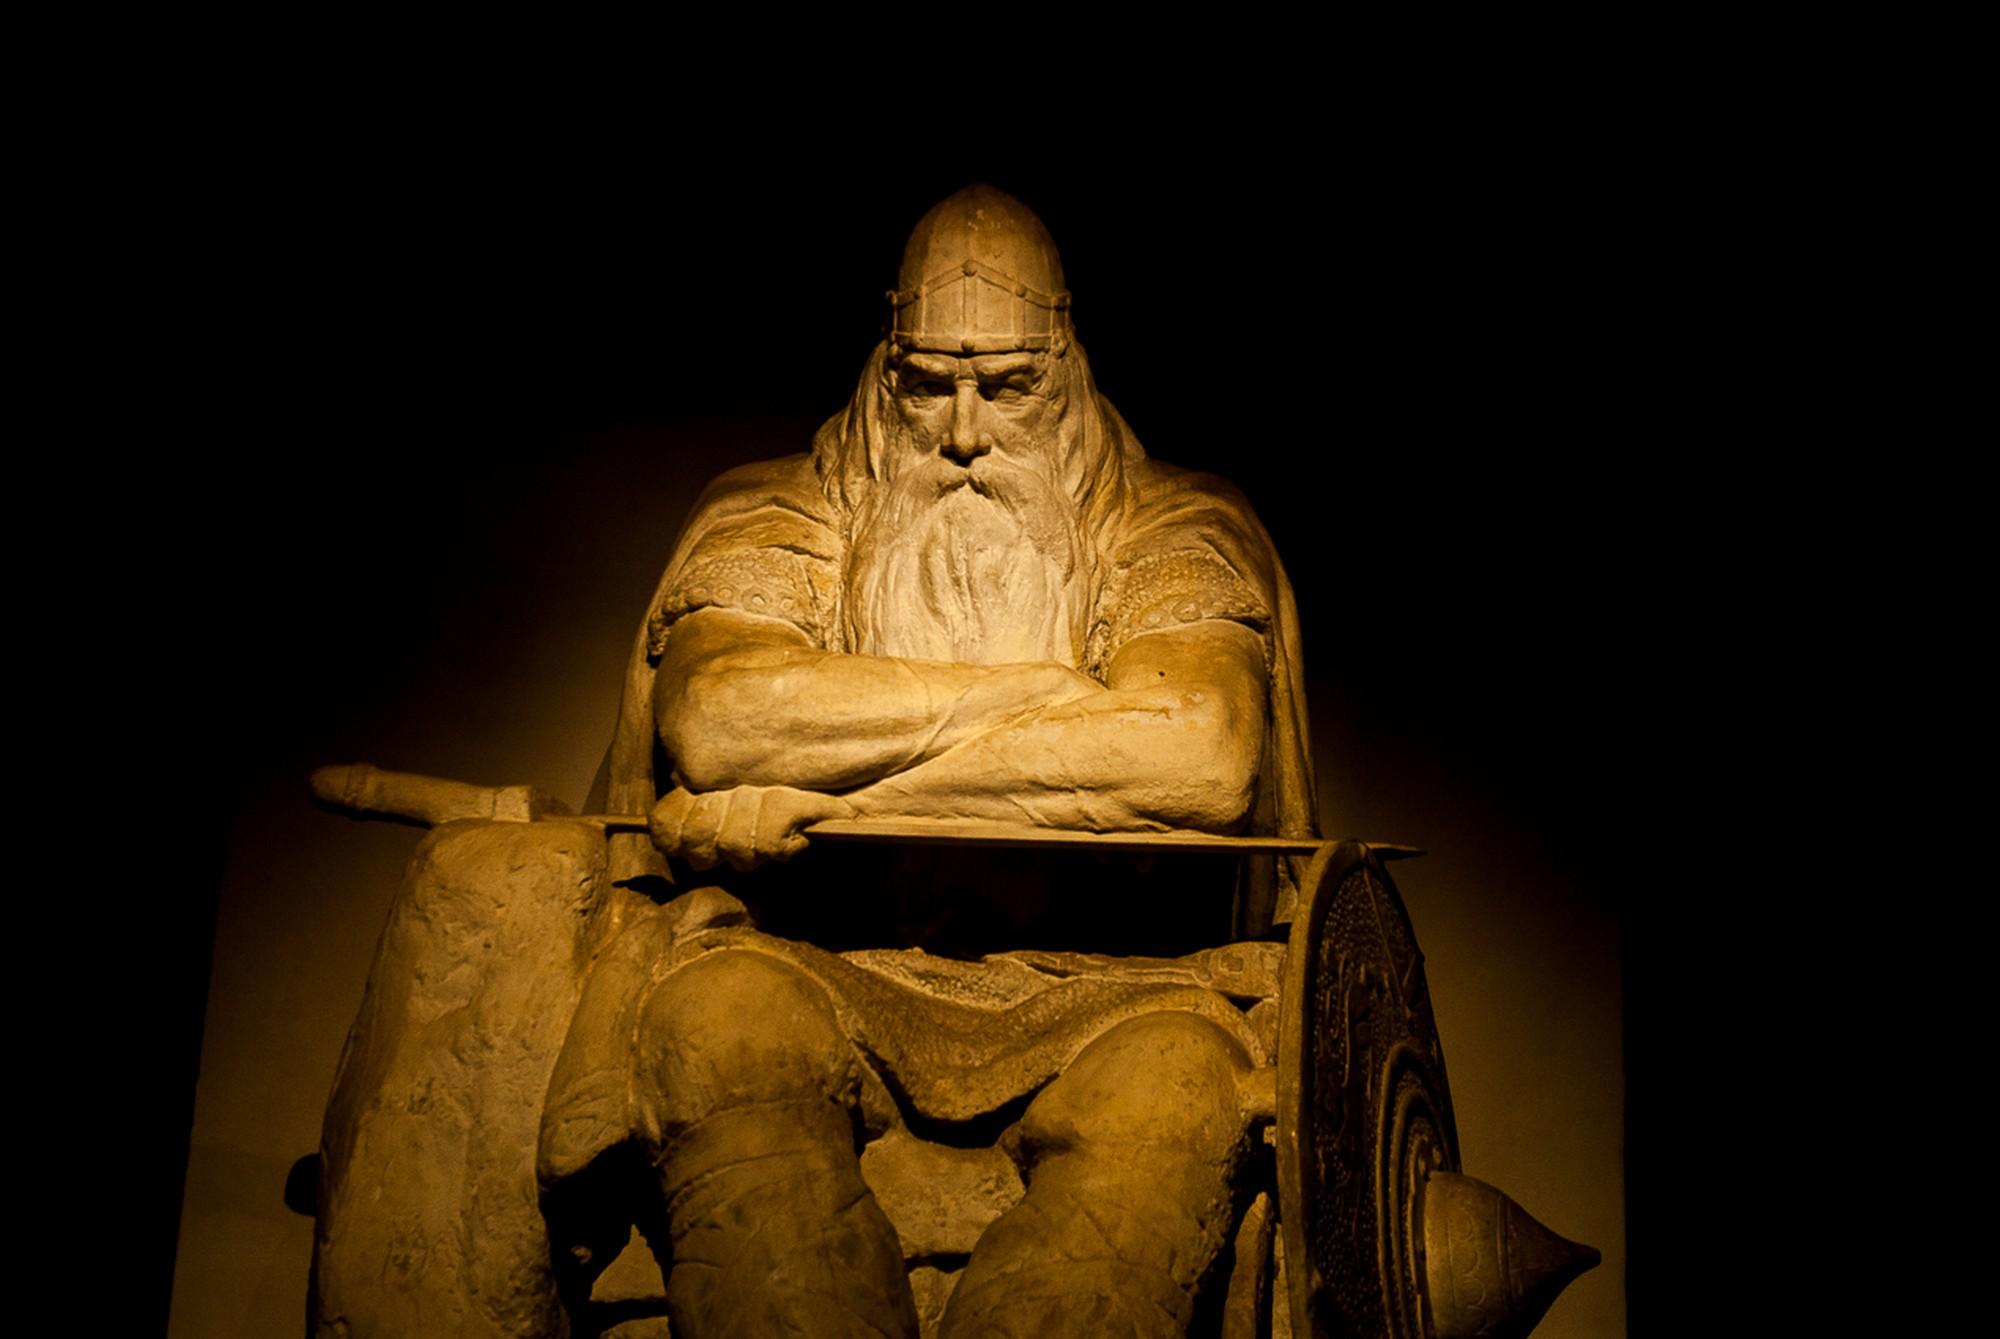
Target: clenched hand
745, 825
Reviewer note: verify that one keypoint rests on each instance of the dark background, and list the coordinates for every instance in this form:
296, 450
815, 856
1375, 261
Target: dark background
1472, 383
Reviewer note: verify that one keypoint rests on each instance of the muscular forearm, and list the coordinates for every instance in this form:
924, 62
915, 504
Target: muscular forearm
1174, 740
742, 704
1119, 761
1176, 743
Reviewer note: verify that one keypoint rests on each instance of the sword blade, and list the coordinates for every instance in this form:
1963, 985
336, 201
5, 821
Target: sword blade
966, 832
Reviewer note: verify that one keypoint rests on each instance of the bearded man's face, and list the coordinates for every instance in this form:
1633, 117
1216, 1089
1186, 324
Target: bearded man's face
968, 549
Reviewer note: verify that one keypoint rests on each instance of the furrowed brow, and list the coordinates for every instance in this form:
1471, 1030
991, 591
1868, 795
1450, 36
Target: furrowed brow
930, 365
995, 366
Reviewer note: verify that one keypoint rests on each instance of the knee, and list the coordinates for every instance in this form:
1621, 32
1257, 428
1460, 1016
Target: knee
1166, 1079
735, 1029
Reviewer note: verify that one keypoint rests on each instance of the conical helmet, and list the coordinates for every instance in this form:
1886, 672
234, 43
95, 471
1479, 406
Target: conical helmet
980, 274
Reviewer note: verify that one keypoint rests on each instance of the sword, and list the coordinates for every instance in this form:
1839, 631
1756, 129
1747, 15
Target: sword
363, 791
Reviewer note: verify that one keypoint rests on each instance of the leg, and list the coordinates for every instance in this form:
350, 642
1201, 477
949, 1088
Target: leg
749, 1087
1132, 1155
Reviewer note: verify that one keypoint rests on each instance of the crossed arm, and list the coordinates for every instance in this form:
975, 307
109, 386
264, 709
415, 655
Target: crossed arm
769, 734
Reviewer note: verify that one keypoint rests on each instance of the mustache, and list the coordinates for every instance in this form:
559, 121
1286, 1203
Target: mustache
1011, 485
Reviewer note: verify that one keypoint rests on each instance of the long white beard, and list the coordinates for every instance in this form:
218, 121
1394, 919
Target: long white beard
981, 567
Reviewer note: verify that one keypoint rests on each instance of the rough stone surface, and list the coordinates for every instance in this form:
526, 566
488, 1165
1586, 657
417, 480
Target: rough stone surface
938, 1198
931, 1289
1246, 1310
428, 1217
643, 1327
633, 1277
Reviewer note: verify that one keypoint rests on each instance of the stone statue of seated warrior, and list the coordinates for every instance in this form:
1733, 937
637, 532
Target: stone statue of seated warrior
876, 1090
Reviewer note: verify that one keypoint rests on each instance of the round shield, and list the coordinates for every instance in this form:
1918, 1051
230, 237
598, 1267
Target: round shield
1364, 1114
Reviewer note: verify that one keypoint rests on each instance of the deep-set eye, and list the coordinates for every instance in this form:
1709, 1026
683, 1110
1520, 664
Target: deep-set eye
927, 388
1010, 390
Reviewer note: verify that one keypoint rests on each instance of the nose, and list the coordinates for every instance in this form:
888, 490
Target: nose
965, 439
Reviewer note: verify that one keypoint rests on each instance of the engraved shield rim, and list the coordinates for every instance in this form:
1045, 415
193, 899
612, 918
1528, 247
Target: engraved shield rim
1327, 872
